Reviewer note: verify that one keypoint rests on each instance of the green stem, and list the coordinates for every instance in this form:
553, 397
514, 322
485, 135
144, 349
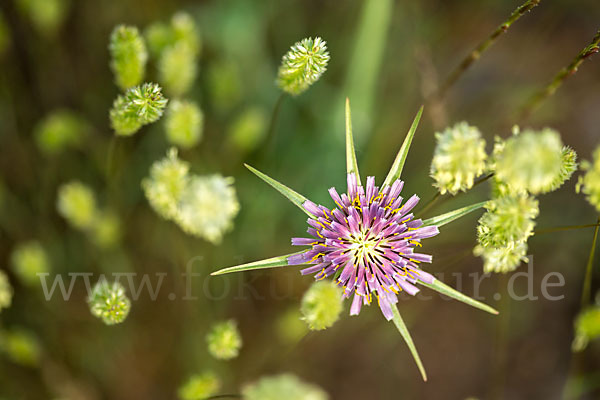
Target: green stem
560, 77
270, 138
483, 46
565, 228
586, 296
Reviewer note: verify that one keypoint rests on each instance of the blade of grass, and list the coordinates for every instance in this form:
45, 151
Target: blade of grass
351, 163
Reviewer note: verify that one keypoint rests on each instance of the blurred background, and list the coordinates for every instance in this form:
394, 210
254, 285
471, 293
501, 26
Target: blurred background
387, 57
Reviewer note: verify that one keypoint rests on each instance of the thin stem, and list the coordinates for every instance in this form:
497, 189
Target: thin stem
270, 138
564, 228
437, 195
483, 46
586, 296
562, 75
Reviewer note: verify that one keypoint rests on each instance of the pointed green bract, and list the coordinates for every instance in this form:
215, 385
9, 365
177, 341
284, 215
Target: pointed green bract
274, 262
351, 163
446, 290
396, 169
399, 322
293, 196
448, 217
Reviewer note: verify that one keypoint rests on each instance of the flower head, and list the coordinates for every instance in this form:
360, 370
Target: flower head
368, 243
109, 302
532, 161
21, 346
184, 122
321, 305
6, 291
28, 260
587, 327
303, 65
503, 259
208, 206
177, 68
589, 183
59, 130
199, 387
141, 105
129, 56
166, 183
77, 204
458, 159
285, 386
224, 340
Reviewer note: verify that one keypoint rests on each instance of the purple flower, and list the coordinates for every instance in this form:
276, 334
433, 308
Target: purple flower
367, 242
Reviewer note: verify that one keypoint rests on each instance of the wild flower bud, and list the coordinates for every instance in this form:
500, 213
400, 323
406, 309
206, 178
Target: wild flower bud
165, 185
129, 56
321, 305
502, 259
28, 260
303, 65
508, 219
59, 130
21, 347
458, 159
587, 327
6, 291
208, 206
224, 340
532, 161
109, 302
200, 387
184, 123
589, 183
249, 129
141, 105
177, 68
284, 386
77, 204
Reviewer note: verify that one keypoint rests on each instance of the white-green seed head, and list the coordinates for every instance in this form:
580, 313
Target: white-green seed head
141, 105
109, 302
182, 29
459, 157
502, 259
303, 65
106, 230
589, 183
6, 291
321, 305
28, 260
128, 56
587, 327
21, 347
46, 16
199, 387
77, 204
208, 206
285, 386
224, 340
166, 184
508, 219
60, 130
184, 123
532, 161
177, 69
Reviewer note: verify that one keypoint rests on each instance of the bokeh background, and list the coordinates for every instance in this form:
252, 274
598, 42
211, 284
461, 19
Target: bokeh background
387, 57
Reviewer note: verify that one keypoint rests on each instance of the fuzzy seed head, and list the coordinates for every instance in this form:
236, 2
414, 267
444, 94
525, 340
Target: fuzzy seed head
129, 56
303, 65
531, 161
208, 206
285, 386
141, 105
106, 231
28, 260
21, 347
321, 305
200, 387
177, 68
249, 129
109, 302
458, 159
166, 184
60, 130
184, 123
6, 291
502, 259
587, 327
77, 204
589, 183
224, 340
